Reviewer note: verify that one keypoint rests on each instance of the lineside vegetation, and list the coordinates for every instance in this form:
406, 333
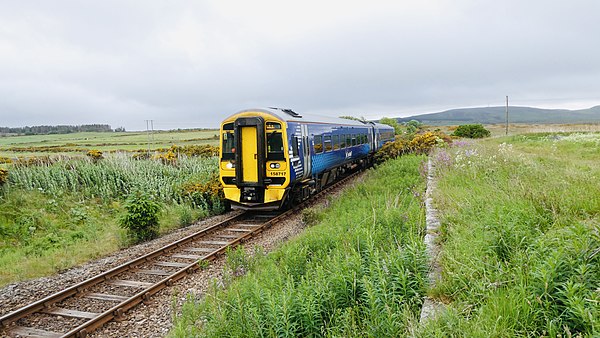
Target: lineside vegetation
359, 269
521, 237
60, 211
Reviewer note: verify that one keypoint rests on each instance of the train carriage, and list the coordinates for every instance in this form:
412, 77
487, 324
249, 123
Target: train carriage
272, 157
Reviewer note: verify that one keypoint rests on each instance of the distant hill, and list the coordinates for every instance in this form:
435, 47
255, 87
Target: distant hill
493, 115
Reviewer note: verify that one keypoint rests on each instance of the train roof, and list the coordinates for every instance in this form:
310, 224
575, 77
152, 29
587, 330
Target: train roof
289, 115
382, 126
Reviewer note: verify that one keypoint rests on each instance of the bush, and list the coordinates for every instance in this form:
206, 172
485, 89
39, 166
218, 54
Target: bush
3, 176
95, 155
141, 219
471, 131
419, 144
208, 195
392, 150
423, 143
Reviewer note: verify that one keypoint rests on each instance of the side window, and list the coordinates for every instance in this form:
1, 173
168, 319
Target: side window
295, 146
342, 141
353, 139
327, 142
318, 144
348, 140
336, 142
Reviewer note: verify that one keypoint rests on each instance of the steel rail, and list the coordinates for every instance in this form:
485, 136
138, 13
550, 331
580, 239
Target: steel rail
79, 287
118, 310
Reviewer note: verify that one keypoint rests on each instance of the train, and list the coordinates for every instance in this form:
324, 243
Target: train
273, 158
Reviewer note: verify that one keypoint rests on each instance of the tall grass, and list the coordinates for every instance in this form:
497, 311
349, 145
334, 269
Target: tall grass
359, 271
521, 238
116, 176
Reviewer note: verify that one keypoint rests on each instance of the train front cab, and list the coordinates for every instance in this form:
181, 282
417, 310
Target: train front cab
254, 164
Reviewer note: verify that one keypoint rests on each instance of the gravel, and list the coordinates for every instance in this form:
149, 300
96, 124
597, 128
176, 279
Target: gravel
153, 318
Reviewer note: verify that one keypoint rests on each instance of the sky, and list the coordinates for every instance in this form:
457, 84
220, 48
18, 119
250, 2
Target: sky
190, 64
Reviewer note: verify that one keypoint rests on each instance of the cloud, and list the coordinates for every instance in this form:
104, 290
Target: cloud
190, 64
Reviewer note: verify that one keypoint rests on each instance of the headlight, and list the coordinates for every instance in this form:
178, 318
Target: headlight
229, 165
274, 165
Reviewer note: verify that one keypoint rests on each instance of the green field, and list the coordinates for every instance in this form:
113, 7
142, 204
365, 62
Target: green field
79, 143
520, 237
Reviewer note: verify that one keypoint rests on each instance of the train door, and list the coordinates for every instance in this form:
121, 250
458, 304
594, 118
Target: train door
250, 151
307, 165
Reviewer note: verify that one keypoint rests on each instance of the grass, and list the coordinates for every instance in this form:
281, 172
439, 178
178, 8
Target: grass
499, 130
116, 176
77, 143
520, 237
58, 215
359, 269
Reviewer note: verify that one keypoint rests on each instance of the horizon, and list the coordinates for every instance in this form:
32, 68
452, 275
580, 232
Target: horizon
370, 119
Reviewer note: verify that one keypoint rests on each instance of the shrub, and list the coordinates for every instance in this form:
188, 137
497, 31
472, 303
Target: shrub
471, 131
392, 150
3, 176
419, 144
423, 143
209, 195
141, 219
413, 126
205, 150
95, 155
5, 160
167, 158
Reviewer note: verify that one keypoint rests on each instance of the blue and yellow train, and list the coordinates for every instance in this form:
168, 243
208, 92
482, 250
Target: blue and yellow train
272, 158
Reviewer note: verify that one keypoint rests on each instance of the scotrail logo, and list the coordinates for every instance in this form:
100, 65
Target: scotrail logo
348, 153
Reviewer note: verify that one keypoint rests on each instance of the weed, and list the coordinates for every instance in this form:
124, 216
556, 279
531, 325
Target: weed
236, 263
141, 219
203, 264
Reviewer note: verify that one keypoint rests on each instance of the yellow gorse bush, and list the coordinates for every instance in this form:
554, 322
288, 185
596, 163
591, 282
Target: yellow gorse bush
423, 143
204, 193
3, 176
95, 155
167, 158
419, 144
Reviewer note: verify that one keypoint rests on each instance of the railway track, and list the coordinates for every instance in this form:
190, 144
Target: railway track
86, 306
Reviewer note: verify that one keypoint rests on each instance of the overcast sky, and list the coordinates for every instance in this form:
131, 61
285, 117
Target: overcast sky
190, 64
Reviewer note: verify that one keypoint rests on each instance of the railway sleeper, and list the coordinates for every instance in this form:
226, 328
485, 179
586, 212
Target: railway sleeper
31, 332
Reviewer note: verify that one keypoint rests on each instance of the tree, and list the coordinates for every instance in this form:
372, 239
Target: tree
360, 119
412, 126
392, 123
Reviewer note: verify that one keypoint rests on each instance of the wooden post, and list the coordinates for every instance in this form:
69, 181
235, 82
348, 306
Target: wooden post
506, 115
